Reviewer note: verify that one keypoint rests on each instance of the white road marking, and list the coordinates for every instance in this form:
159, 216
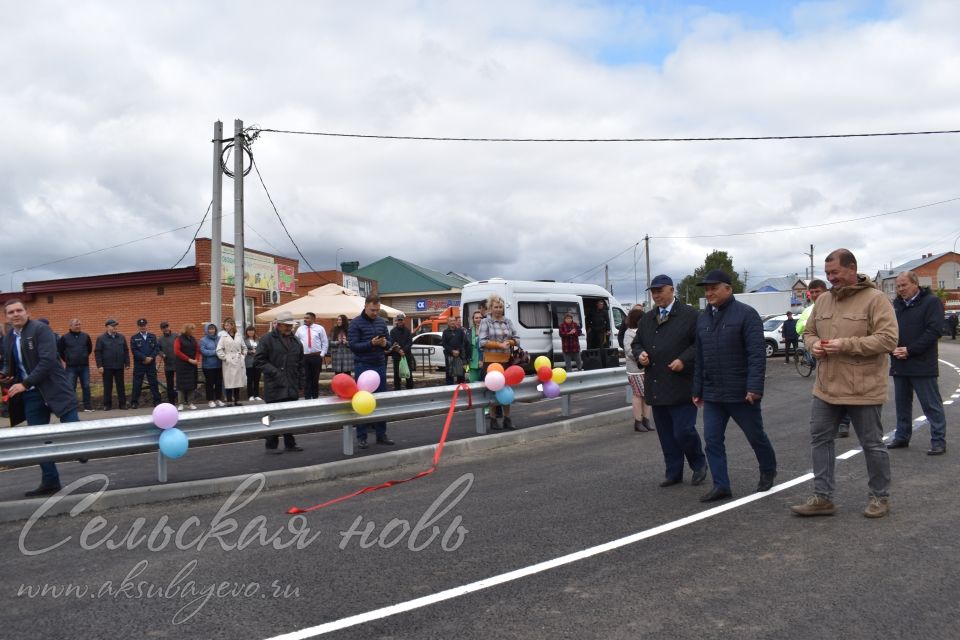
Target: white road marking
517, 574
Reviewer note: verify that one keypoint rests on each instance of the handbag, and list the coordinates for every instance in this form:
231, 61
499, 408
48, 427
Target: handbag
519, 357
404, 369
495, 356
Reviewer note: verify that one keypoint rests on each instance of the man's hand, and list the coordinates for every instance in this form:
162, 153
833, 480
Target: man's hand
830, 346
698, 401
147, 360
676, 366
100, 369
753, 397
644, 358
900, 353
15, 389
455, 353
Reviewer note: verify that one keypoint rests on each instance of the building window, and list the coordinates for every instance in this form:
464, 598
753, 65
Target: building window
160, 291
49, 299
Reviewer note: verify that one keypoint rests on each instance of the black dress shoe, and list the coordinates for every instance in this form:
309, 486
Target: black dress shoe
508, 424
699, 476
386, 441
42, 490
717, 493
362, 444
669, 482
766, 481
294, 448
937, 450
898, 444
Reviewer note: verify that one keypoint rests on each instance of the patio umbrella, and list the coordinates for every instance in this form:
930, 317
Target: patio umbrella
328, 301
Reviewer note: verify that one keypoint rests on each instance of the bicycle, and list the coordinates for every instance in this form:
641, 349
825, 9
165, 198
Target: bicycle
804, 361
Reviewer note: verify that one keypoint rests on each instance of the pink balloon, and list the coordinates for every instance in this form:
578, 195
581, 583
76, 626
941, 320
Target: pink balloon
165, 415
494, 380
551, 389
369, 380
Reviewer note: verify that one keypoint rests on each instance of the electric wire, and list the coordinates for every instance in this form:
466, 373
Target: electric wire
195, 234
257, 131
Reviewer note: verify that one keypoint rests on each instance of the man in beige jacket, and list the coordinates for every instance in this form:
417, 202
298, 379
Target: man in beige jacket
852, 331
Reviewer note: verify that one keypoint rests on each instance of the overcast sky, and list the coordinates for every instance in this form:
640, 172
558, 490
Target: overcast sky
108, 110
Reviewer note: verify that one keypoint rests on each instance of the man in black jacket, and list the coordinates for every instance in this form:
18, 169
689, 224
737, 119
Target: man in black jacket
31, 363
456, 351
791, 339
666, 345
75, 348
731, 361
913, 363
145, 348
280, 357
112, 356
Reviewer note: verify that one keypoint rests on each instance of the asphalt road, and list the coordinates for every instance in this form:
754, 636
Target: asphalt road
748, 569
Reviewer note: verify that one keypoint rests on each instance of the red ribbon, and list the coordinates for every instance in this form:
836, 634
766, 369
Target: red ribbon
391, 483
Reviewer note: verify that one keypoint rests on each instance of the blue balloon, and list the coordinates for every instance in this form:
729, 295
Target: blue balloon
173, 443
505, 395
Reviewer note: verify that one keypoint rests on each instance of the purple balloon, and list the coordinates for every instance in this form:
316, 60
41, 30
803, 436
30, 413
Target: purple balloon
369, 380
551, 389
165, 415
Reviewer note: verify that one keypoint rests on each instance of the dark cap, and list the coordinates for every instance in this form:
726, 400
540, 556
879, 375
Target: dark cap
715, 277
142, 322
164, 324
660, 281
110, 323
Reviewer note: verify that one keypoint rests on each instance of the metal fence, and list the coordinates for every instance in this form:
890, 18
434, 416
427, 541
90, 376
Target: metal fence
137, 434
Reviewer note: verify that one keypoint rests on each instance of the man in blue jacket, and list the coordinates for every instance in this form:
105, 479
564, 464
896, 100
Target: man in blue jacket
75, 347
370, 341
32, 364
728, 381
112, 356
144, 347
913, 363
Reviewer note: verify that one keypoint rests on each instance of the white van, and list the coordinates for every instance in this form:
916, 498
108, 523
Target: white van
537, 308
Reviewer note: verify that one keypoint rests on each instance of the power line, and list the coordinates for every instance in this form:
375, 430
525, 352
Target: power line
292, 241
258, 131
194, 238
600, 266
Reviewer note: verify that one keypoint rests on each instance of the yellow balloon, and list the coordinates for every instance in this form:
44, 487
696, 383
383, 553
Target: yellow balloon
540, 362
363, 402
559, 375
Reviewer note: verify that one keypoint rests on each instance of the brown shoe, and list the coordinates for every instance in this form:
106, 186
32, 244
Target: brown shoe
877, 507
814, 506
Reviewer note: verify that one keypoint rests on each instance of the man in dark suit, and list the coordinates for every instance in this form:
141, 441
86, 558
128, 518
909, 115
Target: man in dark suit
32, 365
665, 345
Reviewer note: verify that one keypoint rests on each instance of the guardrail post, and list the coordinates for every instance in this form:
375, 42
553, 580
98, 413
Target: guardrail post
481, 422
161, 467
349, 439
565, 406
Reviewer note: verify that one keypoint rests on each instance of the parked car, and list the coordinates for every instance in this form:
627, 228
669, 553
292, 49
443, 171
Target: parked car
773, 334
428, 351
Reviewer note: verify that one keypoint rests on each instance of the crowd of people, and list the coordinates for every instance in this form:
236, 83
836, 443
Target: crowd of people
679, 361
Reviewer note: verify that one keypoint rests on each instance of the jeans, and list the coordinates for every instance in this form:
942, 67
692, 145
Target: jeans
789, 343
379, 427
572, 357
83, 374
927, 389
824, 420
37, 412
150, 371
677, 430
748, 417
111, 376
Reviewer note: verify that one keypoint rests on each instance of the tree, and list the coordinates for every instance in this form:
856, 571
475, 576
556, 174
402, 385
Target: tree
691, 293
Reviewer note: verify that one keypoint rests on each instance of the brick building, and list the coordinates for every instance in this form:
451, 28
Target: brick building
176, 295
940, 271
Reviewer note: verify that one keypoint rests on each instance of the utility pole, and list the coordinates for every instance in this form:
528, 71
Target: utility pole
636, 290
606, 277
216, 284
238, 255
646, 250
810, 255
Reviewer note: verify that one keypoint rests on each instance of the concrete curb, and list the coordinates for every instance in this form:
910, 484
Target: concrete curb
23, 509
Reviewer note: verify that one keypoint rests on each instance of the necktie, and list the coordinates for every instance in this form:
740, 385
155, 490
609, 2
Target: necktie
309, 338
663, 314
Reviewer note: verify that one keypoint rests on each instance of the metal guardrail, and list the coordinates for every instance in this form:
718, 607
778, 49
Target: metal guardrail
137, 434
